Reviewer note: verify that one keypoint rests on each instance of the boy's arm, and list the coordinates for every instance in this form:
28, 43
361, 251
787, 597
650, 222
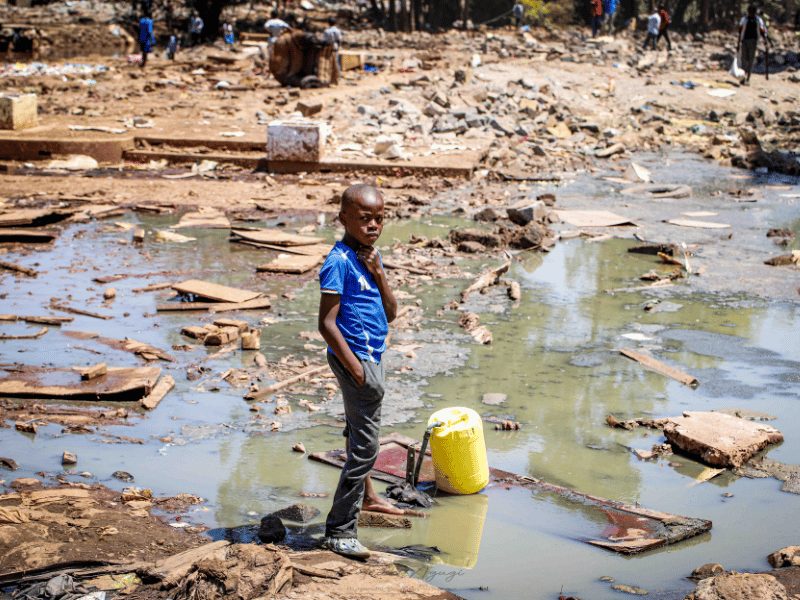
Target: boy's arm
369, 256
328, 309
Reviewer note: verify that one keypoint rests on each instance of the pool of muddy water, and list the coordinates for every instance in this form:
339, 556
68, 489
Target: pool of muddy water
554, 356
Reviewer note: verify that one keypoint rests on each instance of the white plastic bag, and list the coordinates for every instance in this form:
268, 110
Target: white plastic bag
735, 71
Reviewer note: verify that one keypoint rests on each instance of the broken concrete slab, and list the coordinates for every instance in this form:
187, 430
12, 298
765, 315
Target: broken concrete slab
299, 513
291, 264
41, 382
593, 218
214, 292
739, 586
274, 237
718, 439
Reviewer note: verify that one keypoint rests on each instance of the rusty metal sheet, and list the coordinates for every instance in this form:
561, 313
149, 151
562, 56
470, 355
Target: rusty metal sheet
625, 529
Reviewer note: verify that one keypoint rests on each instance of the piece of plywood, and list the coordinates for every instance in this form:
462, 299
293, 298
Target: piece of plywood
214, 307
66, 384
293, 264
29, 236
214, 291
309, 250
592, 218
275, 237
659, 367
208, 218
698, 224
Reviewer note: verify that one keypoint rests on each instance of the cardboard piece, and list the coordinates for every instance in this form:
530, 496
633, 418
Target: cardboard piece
214, 291
592, 218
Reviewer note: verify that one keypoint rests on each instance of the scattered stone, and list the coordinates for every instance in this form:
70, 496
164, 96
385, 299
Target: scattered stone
271, 530
26, 426
629, 589
739, 586
526, 211
718, 439
308, 109
486, 238
69, 458
8, 463
299, 447
299, 513
488, 214
494, 399
109, 293
785, 557
122, 476
707, 570
470, 247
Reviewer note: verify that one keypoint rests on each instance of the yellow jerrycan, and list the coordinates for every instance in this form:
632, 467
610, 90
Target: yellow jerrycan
458, 450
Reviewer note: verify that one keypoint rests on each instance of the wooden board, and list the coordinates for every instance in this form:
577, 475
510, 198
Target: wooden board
275, 237
309, 250
29, 217
659, 367
214, 291
698, 224
66, 384
37, 236
592, 218
208, 218
214, 307
613, 525
286, 263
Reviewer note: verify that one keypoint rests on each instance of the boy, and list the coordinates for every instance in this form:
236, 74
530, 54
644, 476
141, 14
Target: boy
664, 29
653, 27
146, 38
751, 28
355, 309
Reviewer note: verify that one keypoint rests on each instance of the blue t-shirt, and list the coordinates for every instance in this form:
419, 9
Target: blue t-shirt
609, 6
361, 317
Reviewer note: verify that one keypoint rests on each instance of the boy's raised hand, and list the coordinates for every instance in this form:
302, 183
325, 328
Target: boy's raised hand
369, 256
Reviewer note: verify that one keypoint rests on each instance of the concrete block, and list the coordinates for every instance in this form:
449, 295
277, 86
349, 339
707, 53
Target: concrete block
351, 60
299, 141
18, 111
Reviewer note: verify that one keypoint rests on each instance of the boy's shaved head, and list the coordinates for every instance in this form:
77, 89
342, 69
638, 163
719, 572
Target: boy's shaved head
361, 194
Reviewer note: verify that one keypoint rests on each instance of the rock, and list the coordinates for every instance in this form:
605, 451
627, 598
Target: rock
78, 162
487, 238
718, 439
299, 447
504, 127
110, 294
368, 518
271, 530
8, 463
526, 211
433, 110
534, 236
707, 570
470, 247
69, 458
299, 513
494, 399
629, 589
122, 476
739, 586
26, 426
308, 109
785, 557
488, 214
610, 151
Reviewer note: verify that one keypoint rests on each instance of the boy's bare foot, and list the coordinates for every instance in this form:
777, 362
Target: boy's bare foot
378, 504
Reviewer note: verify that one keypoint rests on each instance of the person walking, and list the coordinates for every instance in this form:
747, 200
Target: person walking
609, 10
228, 35
653, 27
172, 47
145, 38
663, 30
596, 6
751, 29
518, 11
196, 25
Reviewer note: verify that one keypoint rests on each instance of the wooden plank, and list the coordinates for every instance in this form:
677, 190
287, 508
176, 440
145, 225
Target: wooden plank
268, 391
153, 287
275, 237
309, 250
32, 236
24, 336
77, 311
214, 291
214, 307
162, 388
698, 224
286, 263
92, 371
659, 367
8, 266
65, 384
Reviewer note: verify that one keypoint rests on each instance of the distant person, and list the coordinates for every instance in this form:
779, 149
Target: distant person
653, 27
751, 29
146, 39
518, 11
228, 35
333, 37
596, 7
609, 12
172, 47
196, 26
663, 31
275, 26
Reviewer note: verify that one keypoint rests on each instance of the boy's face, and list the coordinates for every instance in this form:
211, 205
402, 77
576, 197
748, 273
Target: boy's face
363, 219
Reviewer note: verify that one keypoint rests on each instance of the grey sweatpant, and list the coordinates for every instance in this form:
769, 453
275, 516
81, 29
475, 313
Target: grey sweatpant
362, 409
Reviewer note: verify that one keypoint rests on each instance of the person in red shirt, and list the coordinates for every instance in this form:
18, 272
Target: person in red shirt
664, 29
597, 15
